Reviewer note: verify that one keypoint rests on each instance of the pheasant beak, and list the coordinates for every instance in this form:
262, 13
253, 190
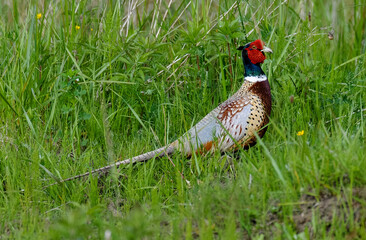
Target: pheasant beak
267, 49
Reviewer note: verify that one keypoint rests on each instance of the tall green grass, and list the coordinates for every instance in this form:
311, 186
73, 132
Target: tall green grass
91, 82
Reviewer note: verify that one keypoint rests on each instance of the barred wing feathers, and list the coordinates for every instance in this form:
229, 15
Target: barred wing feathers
224, 126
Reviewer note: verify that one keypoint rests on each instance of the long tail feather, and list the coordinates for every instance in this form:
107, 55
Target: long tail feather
164, 151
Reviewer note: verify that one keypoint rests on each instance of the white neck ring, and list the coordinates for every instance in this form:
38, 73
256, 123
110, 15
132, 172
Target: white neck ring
253, 79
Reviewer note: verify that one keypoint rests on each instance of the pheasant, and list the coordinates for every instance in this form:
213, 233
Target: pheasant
231, 125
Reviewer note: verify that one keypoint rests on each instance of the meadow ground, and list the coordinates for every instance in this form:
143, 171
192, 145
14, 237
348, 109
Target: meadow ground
85, 83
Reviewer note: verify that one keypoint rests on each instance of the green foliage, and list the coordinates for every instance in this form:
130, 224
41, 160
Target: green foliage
90, 82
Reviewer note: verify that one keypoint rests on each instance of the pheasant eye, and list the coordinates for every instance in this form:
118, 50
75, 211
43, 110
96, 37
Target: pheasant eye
254, 47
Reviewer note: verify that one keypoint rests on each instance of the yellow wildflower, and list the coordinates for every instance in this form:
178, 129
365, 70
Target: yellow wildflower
300, 133
91, 29
39, 15
77, 27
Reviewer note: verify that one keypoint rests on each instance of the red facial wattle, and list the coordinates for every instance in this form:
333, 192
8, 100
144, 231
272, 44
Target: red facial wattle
256, 56
254, 52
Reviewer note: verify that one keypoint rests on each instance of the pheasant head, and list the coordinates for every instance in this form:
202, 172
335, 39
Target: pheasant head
253, 55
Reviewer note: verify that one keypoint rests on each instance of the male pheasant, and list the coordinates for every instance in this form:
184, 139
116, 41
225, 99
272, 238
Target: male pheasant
229, 126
